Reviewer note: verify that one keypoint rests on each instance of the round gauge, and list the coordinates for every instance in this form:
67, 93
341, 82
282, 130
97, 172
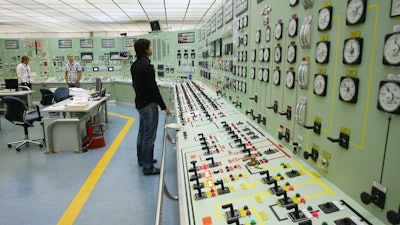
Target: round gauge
278, 31
290, 79
352, 51
293, 2
389, 96
265, 75
237, 41
291, 54
322, 52
355, 12
258, 36
244, 56
253, 73
240, 56
391, 51
348, 89
244, 87
266, 55
325, 18
245, 39
278, 54
241, 23
253, 55
320, 84
261, 54
268, 34
292, 29
244, 71
277, 77
260, 74
245, 21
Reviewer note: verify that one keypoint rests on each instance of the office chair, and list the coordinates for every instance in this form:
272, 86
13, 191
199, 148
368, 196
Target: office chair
17, 113
47, 97
61, 94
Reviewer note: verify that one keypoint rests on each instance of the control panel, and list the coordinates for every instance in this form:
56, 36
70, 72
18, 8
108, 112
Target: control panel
232, 172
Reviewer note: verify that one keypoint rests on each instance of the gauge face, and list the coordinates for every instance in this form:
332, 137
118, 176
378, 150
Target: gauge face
261, 54
389, 97
322, 52
320, 84
293, 2
278, 54
391, 50
244, 87
348, 89
265, 75
245, 21
266, 54
292, 29
258, 36
240, 56
268, 34
278, 31
355, 12
277, 77
352, 51
241, 23
260, 74
290, 79
253, 73
244, 71
325, 18
253, 55
244, 56
291, 54
245, 39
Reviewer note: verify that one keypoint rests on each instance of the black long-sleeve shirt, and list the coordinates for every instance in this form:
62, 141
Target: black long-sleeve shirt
145, 85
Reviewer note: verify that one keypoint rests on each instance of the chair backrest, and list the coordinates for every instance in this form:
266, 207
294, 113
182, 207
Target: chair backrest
47, 96
61, 94
15, 109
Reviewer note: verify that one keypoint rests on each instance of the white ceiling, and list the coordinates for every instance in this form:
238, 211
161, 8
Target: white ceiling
125, 16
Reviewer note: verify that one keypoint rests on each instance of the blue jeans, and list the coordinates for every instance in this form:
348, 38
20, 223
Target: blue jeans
147, 135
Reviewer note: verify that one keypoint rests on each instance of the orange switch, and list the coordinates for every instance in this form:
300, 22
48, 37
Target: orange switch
207, 220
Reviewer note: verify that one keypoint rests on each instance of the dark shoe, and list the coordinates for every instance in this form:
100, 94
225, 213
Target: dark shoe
141, 164
154, 171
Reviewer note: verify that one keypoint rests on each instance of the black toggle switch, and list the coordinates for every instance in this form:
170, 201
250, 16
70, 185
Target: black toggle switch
223, 189
212, 164
393, 217
232, 215
268, 179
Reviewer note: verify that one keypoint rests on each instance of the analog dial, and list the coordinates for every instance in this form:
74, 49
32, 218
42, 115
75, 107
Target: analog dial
245, 39
278, 31
389, 97
320, 84
292, 29
325, 18
322, 52
290, 79
391, 51
260, 74
245, 21
253, 55
278, 54
293, 2
355, 12
261, 54
253, 73
258, 36
277, 77
244, 87
352, 51
266, 75
291, 53
268, 34
266, 54
348, 89
244, 56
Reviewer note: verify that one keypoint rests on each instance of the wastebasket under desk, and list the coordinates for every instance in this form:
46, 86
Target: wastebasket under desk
65, 134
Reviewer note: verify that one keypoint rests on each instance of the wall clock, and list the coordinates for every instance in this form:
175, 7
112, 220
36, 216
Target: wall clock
391, 50
348, 89
325, 18
389, 97
355, 12
322, 52
352, 51
320, 84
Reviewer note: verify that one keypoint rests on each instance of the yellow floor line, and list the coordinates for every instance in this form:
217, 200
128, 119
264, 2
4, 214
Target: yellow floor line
79, 201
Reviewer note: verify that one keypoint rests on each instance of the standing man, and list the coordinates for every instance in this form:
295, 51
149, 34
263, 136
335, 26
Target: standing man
147, 100
24, 72
73, 72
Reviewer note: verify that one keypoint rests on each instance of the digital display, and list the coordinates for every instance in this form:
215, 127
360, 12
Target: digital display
110, 69
187, 37
96, 69
65, 43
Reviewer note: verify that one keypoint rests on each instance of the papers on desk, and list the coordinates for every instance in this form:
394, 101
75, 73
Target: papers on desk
78, 103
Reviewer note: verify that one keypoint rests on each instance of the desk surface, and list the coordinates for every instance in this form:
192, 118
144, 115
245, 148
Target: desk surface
63, 105
77, 92
5, 92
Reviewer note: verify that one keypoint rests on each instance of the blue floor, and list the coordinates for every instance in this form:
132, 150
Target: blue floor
43, 188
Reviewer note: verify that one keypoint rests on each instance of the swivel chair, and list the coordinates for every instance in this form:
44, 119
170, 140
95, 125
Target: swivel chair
47, 97
17, 113
61, 94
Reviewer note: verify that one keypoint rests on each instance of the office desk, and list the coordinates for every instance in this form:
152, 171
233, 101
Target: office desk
28, 95
65, 127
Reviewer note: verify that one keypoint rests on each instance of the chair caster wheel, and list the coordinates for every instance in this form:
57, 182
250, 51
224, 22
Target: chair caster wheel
40, 146
9, 145
17, 149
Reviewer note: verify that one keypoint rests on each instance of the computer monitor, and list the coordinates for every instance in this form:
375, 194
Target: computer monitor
98, 85
12, 84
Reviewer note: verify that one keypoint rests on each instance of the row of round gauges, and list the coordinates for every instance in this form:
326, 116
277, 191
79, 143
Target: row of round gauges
240, 85
239, 71
242, 22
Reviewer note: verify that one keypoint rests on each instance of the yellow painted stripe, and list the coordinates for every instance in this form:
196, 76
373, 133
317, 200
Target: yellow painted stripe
79, 201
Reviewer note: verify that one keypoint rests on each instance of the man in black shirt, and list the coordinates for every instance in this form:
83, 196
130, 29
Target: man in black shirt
147, 100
